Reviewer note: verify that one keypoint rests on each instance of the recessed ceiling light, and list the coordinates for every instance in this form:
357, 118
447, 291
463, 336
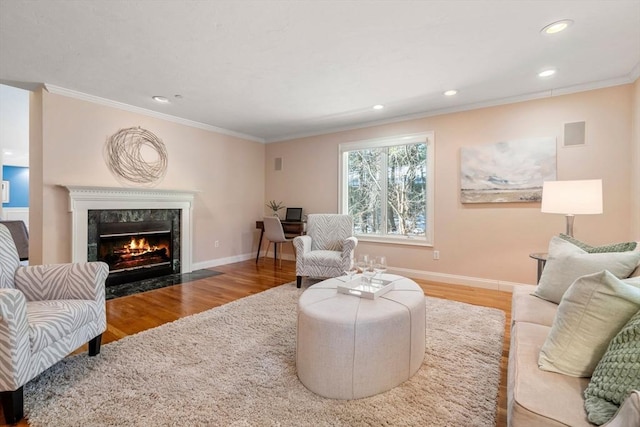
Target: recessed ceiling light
451, 92
556, 27
8, 153
547, 73
378, 107
161, 99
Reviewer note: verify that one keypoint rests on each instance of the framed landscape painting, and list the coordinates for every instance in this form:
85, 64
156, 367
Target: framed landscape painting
507, 172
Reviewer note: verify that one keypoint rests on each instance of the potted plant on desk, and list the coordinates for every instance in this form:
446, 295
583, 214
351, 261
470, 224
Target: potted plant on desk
275, 207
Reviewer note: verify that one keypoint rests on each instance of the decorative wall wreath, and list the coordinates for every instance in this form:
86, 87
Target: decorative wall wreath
124, 156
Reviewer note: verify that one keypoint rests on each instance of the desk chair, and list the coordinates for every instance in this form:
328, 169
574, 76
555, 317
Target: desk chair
274, 232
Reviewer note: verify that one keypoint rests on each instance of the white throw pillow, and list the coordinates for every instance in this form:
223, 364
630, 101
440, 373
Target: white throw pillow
566, 262
591, 313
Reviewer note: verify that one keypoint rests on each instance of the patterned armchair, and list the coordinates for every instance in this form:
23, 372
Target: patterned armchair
327, 248
46, 312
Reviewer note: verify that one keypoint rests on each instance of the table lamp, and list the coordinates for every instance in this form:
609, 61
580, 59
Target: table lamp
572, 198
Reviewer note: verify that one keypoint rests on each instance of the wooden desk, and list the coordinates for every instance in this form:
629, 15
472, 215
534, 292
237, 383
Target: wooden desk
289, 227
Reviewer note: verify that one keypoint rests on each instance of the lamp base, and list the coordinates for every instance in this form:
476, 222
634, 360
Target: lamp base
569, 225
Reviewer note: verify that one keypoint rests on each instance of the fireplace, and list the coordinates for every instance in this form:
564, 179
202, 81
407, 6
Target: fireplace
137, 244
135, 250
94, 207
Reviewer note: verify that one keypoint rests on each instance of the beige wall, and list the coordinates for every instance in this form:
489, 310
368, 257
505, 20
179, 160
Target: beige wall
35, 177
489, 241
234, 177
227, 172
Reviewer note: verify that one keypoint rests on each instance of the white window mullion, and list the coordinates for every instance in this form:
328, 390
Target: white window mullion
384, 182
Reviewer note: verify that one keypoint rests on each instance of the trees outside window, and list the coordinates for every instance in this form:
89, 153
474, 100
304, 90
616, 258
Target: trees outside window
386, 187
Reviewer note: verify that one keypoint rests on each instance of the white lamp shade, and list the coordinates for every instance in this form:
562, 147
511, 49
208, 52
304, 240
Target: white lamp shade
572, 197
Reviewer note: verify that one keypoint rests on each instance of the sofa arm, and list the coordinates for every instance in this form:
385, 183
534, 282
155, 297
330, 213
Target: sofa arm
15, 350
629, 412
302, 244
83, 280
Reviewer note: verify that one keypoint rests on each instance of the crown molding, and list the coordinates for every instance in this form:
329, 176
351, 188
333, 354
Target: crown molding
475, 106
629, 78
139, 110
635, 73
593, 85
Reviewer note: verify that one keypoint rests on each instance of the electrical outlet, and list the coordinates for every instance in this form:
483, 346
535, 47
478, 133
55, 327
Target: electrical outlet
216, 243
436, 255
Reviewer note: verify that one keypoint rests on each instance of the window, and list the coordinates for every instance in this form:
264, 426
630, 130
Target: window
386, 185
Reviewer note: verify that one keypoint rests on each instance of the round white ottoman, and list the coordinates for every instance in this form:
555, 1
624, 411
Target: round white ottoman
350, 347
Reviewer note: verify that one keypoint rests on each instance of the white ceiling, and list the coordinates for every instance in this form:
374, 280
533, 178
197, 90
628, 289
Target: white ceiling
274, 70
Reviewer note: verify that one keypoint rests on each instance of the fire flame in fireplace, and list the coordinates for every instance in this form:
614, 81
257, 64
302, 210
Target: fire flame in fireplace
140, 246
122, 252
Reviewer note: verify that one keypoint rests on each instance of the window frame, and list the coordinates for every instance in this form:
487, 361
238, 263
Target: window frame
422, 137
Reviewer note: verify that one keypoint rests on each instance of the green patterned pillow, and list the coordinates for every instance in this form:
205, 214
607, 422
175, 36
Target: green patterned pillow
614, 247
617, 374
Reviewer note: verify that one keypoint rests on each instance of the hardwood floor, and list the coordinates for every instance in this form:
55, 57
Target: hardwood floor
135, 313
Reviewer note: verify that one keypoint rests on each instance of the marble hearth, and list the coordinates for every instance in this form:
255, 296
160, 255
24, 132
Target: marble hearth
83, 199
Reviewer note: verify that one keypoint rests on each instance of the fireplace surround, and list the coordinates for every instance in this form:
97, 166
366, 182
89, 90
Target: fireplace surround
136, 244
83, 200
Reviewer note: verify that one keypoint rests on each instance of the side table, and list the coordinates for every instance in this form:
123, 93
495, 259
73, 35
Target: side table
541, 257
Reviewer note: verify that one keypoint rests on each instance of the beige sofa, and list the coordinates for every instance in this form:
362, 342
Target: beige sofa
541, 398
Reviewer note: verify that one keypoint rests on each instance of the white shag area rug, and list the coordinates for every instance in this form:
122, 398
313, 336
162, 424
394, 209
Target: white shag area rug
234, 365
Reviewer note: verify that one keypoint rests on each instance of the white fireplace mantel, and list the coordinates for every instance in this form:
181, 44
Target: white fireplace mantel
82, 199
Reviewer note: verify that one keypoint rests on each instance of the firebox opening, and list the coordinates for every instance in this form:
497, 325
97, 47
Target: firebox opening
135, 250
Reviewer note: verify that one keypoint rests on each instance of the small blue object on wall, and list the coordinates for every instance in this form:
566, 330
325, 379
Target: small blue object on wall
18, 178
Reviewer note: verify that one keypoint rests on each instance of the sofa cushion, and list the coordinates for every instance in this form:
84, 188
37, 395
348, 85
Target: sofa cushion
613, 247
567, 262
50, 321
617, 374
636, 272
331, 259
537, 397
529, 308
591, 313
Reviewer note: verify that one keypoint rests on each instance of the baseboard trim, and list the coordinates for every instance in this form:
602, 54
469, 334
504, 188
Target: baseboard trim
452, 279
455, 279
221, 261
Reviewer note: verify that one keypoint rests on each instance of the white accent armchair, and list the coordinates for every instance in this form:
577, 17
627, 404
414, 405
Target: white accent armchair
327, 248
46, 312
